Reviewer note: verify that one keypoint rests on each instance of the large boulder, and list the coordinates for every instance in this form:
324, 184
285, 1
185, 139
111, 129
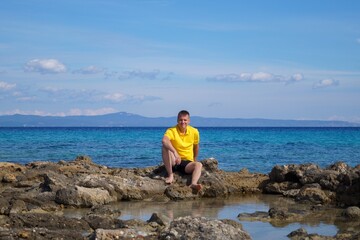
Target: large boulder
83, 197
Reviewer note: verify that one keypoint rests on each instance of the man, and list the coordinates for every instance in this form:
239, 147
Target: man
180, 148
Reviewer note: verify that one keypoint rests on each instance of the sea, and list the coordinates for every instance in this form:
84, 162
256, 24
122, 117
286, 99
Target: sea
257, 149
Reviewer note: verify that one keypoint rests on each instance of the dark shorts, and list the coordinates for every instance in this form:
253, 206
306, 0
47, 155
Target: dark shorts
181, 166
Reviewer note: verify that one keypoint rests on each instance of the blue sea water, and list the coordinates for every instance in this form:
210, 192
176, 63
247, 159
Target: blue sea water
257, 149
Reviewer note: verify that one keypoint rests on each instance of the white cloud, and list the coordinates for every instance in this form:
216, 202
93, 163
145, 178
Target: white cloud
89, 70
22, 112
71, 95
26, 99
110, 74
119, 97
90, 112
6, 86
142, 98
139, 74
45, 66
84, 95
71, 112
256, 77
354, 119
115, 97
326, 83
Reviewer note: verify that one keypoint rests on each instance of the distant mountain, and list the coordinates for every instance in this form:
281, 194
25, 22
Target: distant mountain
123, 119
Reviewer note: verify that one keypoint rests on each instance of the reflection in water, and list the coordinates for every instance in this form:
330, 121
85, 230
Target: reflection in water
210, 208
228, 208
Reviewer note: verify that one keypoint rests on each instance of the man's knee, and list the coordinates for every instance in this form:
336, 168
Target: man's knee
198, 165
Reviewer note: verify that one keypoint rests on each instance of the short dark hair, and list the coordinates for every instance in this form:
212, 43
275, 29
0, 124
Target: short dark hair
183, 112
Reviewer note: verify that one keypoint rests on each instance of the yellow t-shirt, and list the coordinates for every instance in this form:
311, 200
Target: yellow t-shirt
184, 143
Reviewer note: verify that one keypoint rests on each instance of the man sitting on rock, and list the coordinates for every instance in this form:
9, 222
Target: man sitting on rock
180, 148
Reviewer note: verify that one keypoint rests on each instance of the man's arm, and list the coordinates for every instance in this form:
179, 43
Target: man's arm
196, 151
167, 144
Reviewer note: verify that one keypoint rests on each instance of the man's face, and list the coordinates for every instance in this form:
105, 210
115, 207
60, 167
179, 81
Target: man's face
183, 121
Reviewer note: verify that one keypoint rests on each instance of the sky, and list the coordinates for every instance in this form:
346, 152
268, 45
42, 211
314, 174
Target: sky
297, 59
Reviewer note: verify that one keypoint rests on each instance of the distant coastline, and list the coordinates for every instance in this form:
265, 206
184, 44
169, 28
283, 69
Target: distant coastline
124, 119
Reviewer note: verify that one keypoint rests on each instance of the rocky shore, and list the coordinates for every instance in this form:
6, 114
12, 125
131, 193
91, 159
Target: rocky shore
34, 196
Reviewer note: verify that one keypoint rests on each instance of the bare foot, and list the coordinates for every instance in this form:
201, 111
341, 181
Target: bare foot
169, 180
196, 187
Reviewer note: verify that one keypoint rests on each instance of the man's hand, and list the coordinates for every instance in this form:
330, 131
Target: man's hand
167, 144
177, 158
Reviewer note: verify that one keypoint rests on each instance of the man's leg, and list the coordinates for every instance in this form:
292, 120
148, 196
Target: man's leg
195, 169
169, 161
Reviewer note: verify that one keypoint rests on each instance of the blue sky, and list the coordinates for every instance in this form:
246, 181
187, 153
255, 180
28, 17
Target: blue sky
233, 59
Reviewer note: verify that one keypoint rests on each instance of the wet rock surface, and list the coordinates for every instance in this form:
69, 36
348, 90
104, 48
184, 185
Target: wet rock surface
34, 196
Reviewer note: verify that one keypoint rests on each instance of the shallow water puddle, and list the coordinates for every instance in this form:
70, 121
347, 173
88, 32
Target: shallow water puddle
226, 209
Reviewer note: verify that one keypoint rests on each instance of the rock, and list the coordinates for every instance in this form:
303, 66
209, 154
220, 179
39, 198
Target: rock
280, 188
339, 167
283, 214
4, 206
124, 233
352, 213
279, 214
39, 234
133, 229
255, 216
105, 210
103, 221
96, 181
7, 167
313, 195
48, 187
83, 160
202, 228
348, 191
18, 206
210, 165
53, 182
232, 223
9, 178
48, 221
337, 184
179, 193
300, 233
155, 218
294, 173
83, 197
101, 216
291, 193
278, 173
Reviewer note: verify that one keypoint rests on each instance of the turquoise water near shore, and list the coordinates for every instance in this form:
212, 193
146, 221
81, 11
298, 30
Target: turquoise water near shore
257, 149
